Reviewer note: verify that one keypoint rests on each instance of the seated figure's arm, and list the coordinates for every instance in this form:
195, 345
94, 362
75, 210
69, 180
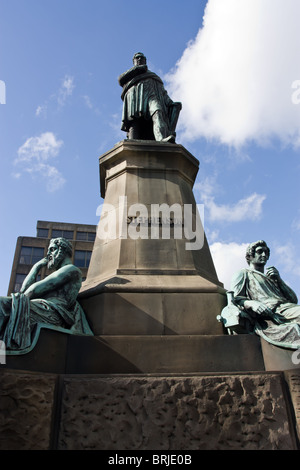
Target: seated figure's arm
288, 293
32, 275
252, 307
54, 282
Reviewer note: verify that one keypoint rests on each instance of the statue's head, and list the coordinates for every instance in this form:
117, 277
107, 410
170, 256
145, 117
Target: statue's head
252, 247
59, 249
139, 59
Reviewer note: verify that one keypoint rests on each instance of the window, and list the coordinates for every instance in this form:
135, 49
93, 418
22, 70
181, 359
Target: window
86, 236
82, 258
30, 254
19, 281
42, 232
91, 237
62, 233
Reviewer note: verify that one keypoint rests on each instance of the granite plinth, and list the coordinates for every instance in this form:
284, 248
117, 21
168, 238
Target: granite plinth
57, 352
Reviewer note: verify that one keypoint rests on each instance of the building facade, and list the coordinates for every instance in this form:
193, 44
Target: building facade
29, 250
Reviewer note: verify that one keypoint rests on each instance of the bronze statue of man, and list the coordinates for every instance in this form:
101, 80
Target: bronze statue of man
48, 303
266, 302
148, 111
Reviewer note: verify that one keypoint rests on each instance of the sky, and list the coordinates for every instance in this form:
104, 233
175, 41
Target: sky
234, 65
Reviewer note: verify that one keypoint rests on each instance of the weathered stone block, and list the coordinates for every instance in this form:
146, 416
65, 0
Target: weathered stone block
293, 380
26, 406
175, 413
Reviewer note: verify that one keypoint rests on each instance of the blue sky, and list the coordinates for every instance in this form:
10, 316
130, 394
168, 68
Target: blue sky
232, 63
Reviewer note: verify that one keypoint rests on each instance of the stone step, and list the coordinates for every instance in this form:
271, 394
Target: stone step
57, 352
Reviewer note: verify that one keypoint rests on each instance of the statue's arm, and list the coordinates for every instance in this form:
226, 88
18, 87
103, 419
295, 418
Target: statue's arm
250, 306
131, 73
32, 275
238, 284
53, 282
288, 293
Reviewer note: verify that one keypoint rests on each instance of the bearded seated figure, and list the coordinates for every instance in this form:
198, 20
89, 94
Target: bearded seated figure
262, 303
49, 303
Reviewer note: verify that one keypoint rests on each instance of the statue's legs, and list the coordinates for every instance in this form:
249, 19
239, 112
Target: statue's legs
134, 130
140, 129
161, 128
155, 129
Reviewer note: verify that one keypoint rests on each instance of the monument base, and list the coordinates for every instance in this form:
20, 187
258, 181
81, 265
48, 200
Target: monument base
60, 353
161, 392
182, 412
160, 372
154, 305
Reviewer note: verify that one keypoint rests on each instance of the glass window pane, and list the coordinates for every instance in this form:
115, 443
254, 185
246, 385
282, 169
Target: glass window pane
88, 258
68, 234
37, 254
56, 233
19, 281
30, 254
38, 251
42, 232
91, 236
25, 255
81, 236
82, 258
79, 258
26, 250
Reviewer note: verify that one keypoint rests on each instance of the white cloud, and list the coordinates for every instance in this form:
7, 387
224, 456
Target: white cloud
65, 90
228, 258
296, 224
248, 208
89, 104
39, 148
41, 110
284, 254
235, 78
59, 98
88, 101
33, 157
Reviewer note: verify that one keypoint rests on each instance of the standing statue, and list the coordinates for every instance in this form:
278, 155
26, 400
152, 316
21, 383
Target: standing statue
148, 111
260, 302
50, 303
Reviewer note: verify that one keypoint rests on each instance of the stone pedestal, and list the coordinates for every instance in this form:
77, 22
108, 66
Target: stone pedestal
142, 279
